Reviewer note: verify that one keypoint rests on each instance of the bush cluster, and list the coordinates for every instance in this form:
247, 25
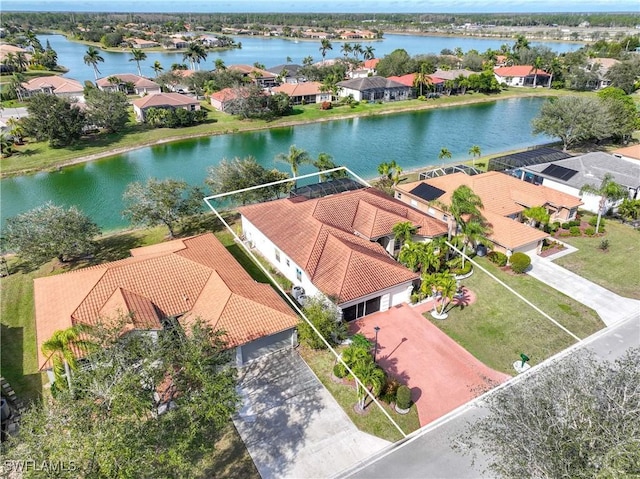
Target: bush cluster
390, 390
590, 231
571, 224
574, 231
497, 257
326, 105
403, 397
520, 262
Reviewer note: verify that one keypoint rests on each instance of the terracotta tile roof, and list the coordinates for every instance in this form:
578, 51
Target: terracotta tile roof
299, 89
632, 152
194, 278
330, 238
519, 71
250, 69
511, 233
227, 94
164, 99
372, 63
57, 83
138, 81
409, 79
502, 195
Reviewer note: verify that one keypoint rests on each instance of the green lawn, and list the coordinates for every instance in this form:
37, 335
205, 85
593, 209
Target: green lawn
617, 269
38, 156
500, 326
373, 421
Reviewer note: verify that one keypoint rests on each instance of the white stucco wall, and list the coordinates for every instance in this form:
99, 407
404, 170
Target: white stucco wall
590, 201
389, 297
345, 92
267, 249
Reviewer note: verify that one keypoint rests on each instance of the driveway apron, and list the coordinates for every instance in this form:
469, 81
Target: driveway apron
291, 425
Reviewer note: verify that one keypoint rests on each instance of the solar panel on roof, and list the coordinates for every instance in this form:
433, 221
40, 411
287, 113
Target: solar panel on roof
427, 192
318, 190
559, 172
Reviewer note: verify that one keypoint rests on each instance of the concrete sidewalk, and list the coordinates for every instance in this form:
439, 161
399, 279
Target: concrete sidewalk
610, 306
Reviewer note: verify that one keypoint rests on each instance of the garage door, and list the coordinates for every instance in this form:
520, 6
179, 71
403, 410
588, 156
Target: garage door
268, 344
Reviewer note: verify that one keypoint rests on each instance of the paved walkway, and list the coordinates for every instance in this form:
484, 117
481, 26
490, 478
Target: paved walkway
292, 426
610, 307
441, 374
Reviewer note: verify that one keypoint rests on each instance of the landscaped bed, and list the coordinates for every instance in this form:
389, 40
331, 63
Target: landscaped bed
498, 327
372, 421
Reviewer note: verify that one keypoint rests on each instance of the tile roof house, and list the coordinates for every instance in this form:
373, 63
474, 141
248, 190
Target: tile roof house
220, 100
504, 199
289, 73
129, 83
339, 245
571, 174
260, 77
436, 84
54, 85
522, 75
303, 93
164, 100
142, 43
601, 66
183, 279
374, 88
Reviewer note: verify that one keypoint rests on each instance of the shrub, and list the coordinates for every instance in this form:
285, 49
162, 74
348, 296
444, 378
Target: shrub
390, 390
460, 270
604, 245
339, 370
601, 229
574, 223
590, 231
422, 98
403, 397
520, 262
360, 341
566, 226
326, 105
594, 220
575, 231
497, 257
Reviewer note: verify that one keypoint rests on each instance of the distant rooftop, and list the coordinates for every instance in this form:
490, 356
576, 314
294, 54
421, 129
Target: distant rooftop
534, 156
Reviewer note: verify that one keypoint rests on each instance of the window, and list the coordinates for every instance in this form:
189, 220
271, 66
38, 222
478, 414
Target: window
278, 255
299, 274
399, 196
287, 261
414, 203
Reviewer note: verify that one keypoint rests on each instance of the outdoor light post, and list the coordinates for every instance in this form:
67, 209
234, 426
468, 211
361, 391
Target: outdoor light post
375, 349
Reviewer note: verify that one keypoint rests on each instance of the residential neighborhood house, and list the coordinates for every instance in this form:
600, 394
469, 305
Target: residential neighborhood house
504, 199
571, 174
260, 77
53, 85
176, 281
522, 75
163, 100
339, 245
303, 93
374, 88
129, 83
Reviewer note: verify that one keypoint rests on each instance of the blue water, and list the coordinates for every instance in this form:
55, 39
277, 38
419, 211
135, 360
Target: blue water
268, 51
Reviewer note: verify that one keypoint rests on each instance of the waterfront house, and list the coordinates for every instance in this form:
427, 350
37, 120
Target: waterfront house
53, 85
504, 198
142, 44
522, 75
303, 93
260, 77
128, 83
374, 88
220, 100
168, 284
339, 245
163, 100
289, 73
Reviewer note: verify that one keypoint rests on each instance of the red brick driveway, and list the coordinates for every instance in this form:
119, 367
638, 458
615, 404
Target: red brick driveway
441, 374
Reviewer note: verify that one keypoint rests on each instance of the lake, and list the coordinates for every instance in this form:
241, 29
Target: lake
268, 51
413, 140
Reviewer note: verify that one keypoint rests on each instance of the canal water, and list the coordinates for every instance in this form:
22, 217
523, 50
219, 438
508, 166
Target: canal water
413, 140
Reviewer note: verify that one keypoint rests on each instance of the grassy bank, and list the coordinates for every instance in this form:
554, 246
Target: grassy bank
39, 156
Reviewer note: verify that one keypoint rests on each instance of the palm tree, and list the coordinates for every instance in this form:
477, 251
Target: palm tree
219, 64
16, 130
357, 50
346, 49
475, 151
464, 202
325, 162
443, 286
368, 53
6, 144
608, 191
138, 56
537, 65
307, 61
91, 58
194, 53
422, 77
61, 347
371, 376
472, 232
21, 62
404, 231
157, 67
294, 159
325, 45
444, 153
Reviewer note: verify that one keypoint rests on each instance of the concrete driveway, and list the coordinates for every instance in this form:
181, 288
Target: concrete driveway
292, 426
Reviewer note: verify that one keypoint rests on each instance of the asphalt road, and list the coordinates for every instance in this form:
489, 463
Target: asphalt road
428, 453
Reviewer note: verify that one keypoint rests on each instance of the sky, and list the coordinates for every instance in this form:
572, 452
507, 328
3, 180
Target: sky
355, 6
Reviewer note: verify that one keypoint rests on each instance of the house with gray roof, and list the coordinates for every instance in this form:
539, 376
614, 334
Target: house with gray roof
289, 73
571, 174
374, 88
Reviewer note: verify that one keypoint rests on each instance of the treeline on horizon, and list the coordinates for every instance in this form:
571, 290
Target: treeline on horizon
62, 20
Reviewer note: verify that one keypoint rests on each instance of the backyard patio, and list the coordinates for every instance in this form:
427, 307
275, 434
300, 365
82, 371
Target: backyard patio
441, 374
